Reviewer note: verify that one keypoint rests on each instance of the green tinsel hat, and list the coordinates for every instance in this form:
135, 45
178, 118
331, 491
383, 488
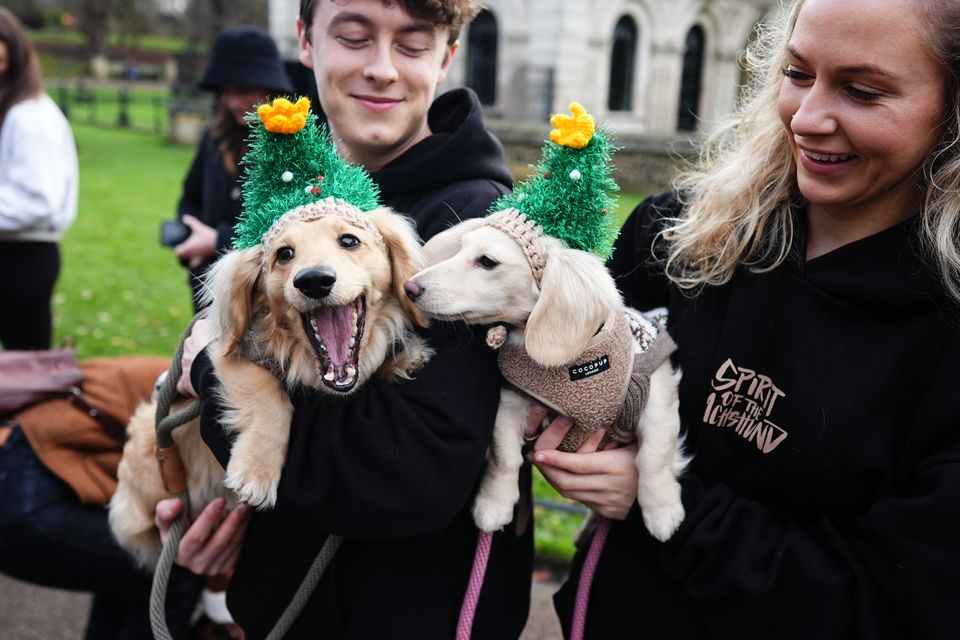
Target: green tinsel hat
570, 195
293, 172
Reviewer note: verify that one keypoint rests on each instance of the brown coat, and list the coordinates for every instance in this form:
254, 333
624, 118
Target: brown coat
75, 446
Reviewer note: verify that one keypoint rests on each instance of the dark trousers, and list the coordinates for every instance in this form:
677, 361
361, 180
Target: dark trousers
49, 538
28, 271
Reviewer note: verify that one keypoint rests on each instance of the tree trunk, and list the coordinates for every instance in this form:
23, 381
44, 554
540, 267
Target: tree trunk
93, 17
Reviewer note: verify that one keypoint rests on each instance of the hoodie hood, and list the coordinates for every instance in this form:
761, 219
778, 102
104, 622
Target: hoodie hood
886, 271
440, 160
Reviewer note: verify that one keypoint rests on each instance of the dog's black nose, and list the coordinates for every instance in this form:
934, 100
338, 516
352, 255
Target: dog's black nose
413, 289
315, 283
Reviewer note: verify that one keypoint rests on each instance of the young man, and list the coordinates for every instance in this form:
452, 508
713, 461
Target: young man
394, 468
377, 65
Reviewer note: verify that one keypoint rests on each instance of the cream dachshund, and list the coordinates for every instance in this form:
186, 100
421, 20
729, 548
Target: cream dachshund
481, 275
321, 306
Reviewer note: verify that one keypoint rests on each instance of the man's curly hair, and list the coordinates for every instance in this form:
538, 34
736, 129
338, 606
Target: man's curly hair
453, 14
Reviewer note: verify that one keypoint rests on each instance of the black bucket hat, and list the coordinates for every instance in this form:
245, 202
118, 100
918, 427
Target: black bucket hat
246, 57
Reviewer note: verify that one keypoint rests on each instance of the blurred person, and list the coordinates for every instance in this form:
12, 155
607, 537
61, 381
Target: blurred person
58, 470
244, 69
38, 191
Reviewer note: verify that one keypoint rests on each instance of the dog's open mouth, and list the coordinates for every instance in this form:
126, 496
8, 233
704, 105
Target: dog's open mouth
335, 332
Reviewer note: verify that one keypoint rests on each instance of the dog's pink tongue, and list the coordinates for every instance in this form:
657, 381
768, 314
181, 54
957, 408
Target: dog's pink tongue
335, 328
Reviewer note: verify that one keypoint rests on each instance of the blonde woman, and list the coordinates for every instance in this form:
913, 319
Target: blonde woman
811, 268
38, 191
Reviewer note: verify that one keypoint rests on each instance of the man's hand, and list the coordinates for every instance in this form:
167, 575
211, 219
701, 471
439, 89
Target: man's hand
199, 245
200, 336
205, 548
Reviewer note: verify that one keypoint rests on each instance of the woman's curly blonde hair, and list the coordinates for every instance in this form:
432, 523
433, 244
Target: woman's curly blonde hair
737, 197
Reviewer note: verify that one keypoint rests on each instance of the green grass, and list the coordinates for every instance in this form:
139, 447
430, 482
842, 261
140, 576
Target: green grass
627, 203
153, 42
58, 66
120, 292
555, 530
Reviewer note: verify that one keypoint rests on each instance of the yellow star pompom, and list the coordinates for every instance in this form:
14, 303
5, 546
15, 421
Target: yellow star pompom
283, 116
573, 131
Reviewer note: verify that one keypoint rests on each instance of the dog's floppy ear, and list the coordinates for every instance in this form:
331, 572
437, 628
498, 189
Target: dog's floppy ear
446, 244
406, 256
577, 296
233, 293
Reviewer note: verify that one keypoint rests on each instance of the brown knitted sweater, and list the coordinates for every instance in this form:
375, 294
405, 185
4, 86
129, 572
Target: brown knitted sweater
606, 387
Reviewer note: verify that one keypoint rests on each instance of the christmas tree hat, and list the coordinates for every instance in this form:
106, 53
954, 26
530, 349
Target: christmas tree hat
569, 195
293, 172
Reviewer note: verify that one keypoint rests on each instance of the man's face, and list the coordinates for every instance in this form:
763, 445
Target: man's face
377, 70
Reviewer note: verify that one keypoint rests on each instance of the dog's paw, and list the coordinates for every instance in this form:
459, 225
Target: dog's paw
408, 363
664, 519
257, 490
491, 515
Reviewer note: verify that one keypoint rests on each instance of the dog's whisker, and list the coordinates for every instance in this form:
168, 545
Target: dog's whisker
455, 213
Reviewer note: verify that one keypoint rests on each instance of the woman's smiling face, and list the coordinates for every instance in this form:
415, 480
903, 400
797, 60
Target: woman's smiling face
862, 101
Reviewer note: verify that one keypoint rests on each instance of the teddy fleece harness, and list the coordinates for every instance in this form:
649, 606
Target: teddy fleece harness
606, 387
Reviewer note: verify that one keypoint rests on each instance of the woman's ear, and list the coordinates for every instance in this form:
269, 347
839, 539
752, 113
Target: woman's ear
232, 291
446, 244
406, 256
577, 295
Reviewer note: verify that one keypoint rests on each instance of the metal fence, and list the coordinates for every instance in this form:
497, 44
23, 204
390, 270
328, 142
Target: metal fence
135, 107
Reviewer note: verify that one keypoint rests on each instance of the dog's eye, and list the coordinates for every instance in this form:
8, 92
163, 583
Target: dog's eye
487, 262
348, 241
285, 254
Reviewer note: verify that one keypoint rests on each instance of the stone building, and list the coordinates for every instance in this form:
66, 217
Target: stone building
657, 71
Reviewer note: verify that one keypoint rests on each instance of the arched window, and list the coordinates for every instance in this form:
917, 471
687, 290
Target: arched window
623, 56
482, 57
690, 80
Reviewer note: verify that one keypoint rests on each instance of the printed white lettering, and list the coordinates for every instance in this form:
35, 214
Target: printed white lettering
587, 369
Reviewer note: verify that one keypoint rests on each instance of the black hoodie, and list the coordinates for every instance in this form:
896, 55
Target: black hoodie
823, 501
454, 174
394, 467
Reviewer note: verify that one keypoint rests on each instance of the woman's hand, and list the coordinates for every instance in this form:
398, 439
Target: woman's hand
205, 548
605, 481
199, 245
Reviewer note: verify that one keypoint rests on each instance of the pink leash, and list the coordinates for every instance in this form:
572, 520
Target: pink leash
586, 578
469, 607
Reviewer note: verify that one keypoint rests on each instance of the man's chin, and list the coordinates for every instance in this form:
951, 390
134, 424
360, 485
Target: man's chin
381, 143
